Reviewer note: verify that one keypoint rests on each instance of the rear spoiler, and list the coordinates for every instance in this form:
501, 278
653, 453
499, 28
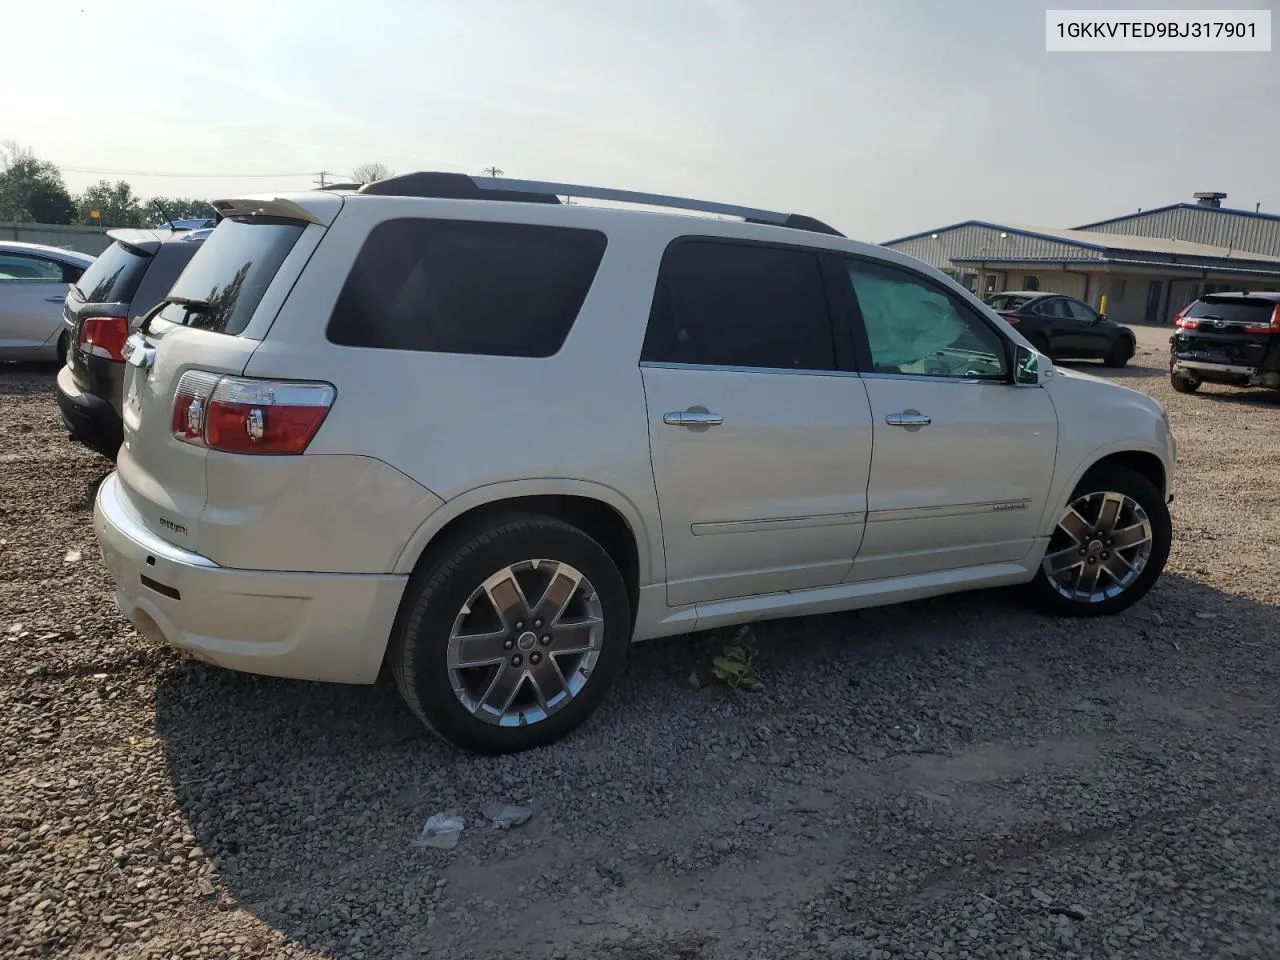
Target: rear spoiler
143, 241
320, 208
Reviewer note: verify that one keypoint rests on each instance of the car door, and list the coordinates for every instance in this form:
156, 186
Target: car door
1088, 332
759, 429
963, 457
32, 290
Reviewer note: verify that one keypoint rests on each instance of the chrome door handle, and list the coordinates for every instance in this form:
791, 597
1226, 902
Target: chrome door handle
692, 418
908, 419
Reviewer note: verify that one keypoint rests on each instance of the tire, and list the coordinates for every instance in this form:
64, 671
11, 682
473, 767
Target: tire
433, 610
1041, 344
1182, 383
64, 340
1120, 353
1059, 594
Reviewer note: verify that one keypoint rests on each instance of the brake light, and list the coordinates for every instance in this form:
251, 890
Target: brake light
103, 337
1183, 322
1009, 317
246, 415
1273, 326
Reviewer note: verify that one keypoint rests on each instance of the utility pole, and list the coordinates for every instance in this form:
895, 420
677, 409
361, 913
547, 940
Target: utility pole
323, 179
492, 171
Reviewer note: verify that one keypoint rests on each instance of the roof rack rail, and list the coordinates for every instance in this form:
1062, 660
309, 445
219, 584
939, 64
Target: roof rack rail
461, 186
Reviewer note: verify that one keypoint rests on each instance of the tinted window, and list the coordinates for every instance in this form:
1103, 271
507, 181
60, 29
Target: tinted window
462, 286
915, 328
1234, 309
230, 272
114, 276
740, 305
1079, 311
23, 268
1052, 308
1008, 303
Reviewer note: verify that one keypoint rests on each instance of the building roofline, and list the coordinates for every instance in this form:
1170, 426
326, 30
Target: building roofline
1020, 231
1258, 266
1181, 206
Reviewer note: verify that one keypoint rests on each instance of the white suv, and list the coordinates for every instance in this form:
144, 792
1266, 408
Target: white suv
459, 430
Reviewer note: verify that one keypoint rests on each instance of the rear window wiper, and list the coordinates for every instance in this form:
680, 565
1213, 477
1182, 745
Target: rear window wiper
192, 304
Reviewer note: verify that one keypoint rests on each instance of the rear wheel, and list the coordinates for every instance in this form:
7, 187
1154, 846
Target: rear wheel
1110, 545
1040, 343
1120, 353
511, 637
1184, 383
64, 340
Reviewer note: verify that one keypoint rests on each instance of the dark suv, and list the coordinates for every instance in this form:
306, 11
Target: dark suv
1231, 338
101, 310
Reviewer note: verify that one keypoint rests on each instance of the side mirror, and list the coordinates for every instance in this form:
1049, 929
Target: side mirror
1026, 365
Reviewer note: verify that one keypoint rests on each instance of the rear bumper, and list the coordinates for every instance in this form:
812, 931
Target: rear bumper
310, 626
89, 418
1242, 359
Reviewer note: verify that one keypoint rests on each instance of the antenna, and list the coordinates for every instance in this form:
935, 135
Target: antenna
164, 213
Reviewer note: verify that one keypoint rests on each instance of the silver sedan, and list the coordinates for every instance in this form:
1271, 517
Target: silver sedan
34, 280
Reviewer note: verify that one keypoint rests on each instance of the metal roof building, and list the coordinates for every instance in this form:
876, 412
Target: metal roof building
1148, 264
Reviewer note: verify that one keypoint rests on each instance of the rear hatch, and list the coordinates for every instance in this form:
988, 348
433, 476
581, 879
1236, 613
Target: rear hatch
215, 316
105, 290
1231, 329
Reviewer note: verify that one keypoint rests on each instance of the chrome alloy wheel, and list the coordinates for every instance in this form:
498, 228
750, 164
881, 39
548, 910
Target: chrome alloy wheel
1099, 548
525, 643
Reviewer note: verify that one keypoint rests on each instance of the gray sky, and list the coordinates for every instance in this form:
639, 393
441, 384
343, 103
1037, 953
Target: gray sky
883, 117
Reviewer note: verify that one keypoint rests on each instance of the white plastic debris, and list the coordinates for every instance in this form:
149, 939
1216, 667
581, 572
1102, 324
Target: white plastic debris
504, 816
442, 831
73, 556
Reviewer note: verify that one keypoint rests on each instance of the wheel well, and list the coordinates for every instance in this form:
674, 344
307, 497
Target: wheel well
596, 519
1146, 465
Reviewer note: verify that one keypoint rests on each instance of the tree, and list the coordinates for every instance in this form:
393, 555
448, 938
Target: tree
115, 203
32, 190
160, 209
369, 172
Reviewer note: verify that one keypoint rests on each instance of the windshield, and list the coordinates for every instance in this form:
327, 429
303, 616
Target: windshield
225, 280
114, 276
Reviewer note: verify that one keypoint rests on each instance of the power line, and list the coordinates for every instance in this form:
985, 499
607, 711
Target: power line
185, 176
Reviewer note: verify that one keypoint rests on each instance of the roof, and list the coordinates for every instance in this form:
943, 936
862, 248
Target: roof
1271, 295
1181, 206
57, 253
1029, 294
1087, 240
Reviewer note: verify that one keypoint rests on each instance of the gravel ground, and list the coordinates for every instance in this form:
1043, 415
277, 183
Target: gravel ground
955, 778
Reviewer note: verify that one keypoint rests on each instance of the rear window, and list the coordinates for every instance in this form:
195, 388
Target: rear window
462, 286
1006, 302
1233, 309
227, 277
114, 276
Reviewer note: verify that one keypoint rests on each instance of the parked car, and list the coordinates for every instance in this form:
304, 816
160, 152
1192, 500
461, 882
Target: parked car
1229, 338
1064, 328
451, 428
33, 283
98, 313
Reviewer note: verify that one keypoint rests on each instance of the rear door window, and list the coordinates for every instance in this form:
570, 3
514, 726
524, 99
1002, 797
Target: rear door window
464, 286
224, 282
1244, 310
114, 276
740, 305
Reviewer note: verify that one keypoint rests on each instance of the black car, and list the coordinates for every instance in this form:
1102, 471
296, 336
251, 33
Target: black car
1064, 328
100, 312
1227, 338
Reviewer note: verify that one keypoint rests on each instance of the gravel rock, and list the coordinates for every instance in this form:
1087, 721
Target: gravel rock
905, 783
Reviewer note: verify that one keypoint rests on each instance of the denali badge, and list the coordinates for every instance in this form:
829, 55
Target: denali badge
177, 528
1011, 505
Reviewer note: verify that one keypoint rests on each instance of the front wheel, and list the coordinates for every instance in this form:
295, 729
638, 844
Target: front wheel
511, 637
1120, 353
1110, 545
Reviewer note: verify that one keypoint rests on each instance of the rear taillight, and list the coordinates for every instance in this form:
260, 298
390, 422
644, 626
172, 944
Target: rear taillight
244, 415
1273, 326
1183, 322
103, 337
1009, 317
